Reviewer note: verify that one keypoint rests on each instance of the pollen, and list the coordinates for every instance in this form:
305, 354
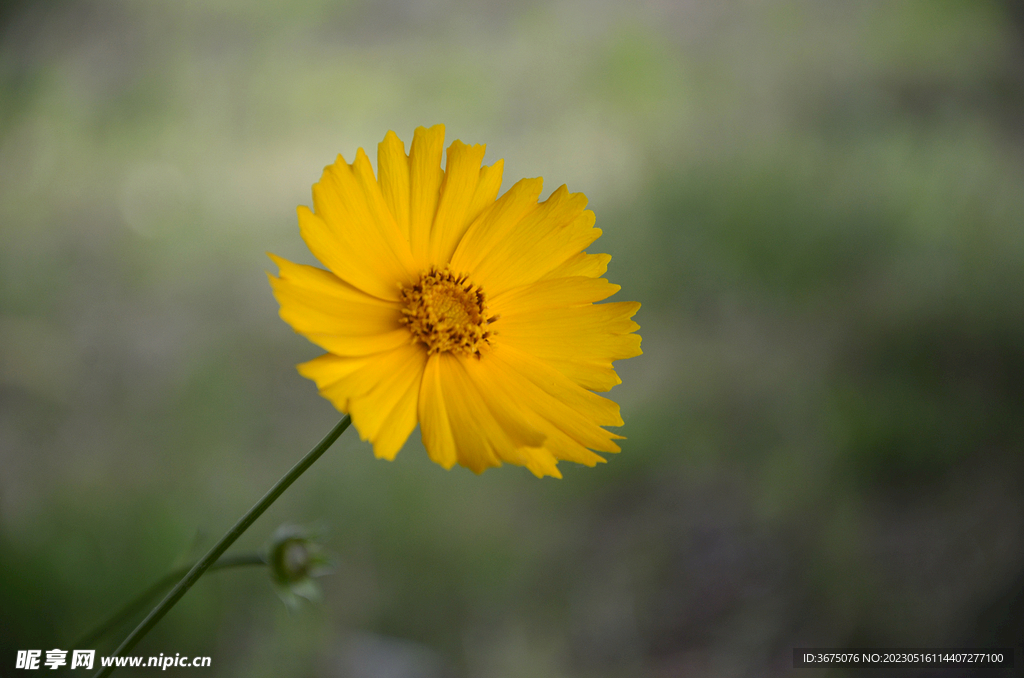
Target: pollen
447, 313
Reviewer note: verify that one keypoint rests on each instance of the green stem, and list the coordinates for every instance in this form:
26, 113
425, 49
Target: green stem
226, 541
165, 582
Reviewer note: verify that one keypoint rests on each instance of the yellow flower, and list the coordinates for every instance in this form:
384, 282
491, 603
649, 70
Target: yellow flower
470, 314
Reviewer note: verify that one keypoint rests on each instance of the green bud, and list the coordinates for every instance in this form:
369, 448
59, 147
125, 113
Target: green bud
295, 559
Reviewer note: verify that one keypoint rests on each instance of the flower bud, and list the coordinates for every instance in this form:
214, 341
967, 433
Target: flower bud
295, 559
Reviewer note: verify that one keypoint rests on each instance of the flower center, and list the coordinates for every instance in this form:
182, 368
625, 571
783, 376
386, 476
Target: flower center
446, 312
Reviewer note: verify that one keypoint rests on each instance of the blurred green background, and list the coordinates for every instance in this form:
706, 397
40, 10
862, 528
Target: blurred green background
819, 204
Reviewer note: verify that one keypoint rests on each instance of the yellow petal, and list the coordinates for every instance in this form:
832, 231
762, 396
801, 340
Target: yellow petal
349, 201
570, 417
336, 377
544, 239
401, 423
342, 380
425, 176
593, 375
468, 416
344, 345
592, 408
479, 379
581, 321
333, 314
462, 174
337, 252
377, 209
353, 251
494, 223
486, 190
556, 293
590, 265
393, 177
580, 342
484, 431
317, 279
525, 431
542, 462
386, 414
470, 424
435, 424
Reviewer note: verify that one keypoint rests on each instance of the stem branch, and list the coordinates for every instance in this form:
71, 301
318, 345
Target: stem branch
139, 602
225, 542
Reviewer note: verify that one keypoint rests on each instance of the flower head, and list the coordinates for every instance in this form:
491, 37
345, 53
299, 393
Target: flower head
468, 313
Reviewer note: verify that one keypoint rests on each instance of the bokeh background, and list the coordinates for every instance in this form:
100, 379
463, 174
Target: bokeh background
819, 204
